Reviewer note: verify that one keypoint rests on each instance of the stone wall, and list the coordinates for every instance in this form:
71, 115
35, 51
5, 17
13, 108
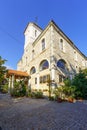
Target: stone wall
57, 46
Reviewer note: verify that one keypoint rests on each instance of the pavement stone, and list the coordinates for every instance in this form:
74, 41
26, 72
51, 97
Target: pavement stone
41, 114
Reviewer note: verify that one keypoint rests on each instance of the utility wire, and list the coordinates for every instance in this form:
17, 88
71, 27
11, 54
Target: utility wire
10, 35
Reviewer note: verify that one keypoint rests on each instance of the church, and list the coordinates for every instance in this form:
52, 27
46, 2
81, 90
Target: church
49, 54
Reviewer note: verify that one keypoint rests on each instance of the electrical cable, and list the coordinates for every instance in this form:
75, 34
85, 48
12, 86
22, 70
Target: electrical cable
10, 35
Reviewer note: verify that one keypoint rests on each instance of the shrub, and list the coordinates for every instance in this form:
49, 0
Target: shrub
65, 91
39, 94
23, 89
80, 81
77, 88
33, 94
4, 88
19, 89
28, 92
36, 94
67, 82
58, 92
51, 98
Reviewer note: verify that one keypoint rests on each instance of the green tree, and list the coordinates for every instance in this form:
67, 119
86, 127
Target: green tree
76, 88
2, 70
80, 81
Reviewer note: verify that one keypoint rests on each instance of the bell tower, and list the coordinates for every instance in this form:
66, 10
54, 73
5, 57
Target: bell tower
31, 32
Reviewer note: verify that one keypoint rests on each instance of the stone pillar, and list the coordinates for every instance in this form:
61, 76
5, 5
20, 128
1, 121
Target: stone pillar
12, 85
29, 83
52, 58
38, 81
9, 84
53, 74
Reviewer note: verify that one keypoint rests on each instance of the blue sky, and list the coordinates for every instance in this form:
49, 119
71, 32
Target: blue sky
69, 15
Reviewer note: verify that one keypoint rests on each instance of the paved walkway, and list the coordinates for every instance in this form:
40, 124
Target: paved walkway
41, 114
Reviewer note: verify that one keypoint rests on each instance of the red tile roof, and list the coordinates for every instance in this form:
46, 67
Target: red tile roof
17, 73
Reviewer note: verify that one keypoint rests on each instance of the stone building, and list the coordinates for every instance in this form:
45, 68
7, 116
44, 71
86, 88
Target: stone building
49, 54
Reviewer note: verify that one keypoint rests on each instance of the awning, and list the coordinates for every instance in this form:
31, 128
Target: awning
17, 73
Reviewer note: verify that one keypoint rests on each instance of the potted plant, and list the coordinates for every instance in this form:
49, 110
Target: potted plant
70, 99
59, 100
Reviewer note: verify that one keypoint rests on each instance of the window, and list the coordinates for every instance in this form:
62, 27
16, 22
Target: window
61, 44
41, 79
43, 44
75, 55
33, 70
44, 79
32, 54
35, 33
48, 77
61, 40
76, 67
44, 65
61, 78
61, 64
35, 80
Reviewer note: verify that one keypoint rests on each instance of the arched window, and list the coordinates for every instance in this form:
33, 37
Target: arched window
35, 33
43, 44
32, 70
75, 56
44, 65
61, 64
61, 44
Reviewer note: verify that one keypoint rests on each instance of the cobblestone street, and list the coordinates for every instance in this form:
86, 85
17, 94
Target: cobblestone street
41, 114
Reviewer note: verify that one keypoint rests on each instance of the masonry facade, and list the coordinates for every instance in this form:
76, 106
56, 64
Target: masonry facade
49, 54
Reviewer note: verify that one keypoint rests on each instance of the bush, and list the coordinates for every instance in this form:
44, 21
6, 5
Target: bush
51, 98
65, 91
36, 94
19, 89
59, 92
77, 88
80, 81
69, 91
4, 88
67, 82
39, 94
28, 92
23, 89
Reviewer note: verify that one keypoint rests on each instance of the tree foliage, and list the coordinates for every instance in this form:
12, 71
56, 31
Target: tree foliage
80, 83
19, 89
76, 88
2, 69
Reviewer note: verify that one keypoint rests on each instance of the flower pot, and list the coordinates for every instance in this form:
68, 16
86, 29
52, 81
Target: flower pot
59, 100
70, 100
